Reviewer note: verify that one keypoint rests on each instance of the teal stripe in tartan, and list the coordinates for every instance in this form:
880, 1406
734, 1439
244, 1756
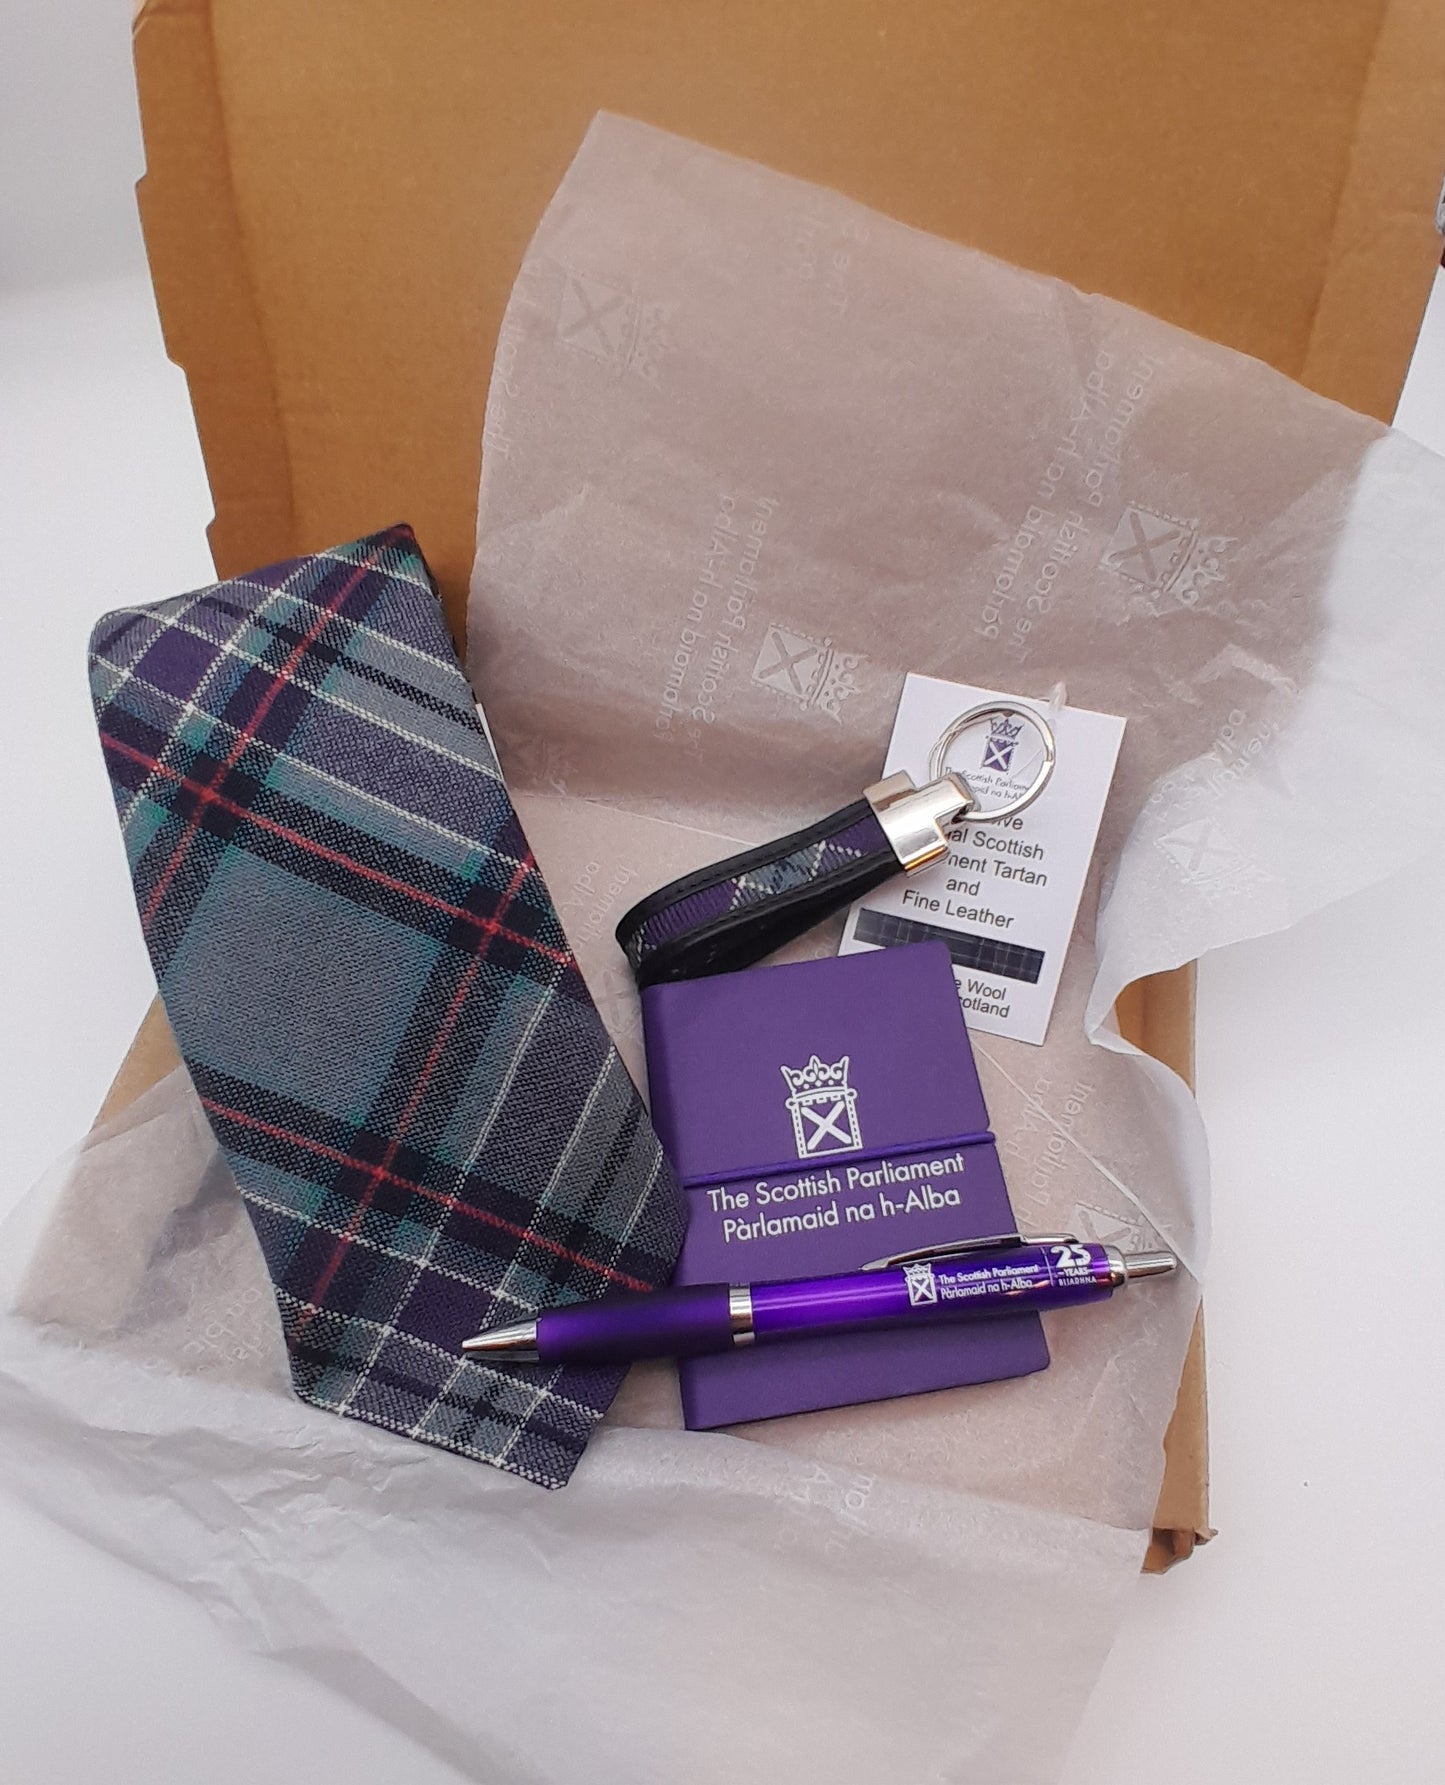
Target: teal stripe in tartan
373, 994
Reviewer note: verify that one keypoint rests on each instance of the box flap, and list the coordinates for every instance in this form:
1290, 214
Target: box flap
333, 251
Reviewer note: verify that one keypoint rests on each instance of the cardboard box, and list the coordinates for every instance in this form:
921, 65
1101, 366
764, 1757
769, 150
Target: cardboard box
338, 197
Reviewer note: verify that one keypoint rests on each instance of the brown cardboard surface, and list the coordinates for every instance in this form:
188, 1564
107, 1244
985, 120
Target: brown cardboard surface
338, 197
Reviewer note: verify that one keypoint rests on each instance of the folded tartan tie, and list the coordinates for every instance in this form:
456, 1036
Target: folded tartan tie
373, 994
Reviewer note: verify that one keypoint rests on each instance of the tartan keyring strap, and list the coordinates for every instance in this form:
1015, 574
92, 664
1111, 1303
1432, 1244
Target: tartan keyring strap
373, 994
736, 911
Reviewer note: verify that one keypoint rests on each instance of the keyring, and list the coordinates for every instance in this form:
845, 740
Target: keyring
1001, 743
737, 911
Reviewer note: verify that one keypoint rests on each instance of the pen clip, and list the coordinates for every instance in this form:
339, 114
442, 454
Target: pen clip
995, 1242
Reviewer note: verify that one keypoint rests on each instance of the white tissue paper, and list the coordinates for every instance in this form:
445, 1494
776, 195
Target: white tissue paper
752, 454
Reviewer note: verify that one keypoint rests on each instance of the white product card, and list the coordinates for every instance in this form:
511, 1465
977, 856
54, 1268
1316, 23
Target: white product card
1005, 897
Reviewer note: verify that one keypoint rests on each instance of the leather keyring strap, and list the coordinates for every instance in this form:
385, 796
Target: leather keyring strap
737, 911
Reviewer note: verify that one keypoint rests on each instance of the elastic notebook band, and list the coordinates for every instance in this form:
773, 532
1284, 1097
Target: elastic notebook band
949, 1143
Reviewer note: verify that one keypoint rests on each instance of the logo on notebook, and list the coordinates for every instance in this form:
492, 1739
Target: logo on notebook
1003, 736
824, 1108
921, 1283
808, 670
1166, 558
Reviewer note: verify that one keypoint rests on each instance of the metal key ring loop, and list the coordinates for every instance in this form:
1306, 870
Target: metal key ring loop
994, 709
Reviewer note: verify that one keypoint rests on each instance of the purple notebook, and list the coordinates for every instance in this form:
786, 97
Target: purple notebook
821, 1115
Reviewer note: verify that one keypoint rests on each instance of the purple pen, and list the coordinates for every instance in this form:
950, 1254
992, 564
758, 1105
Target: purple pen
1001, 1275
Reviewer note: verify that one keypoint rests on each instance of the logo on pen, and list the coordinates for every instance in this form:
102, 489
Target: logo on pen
921, 1284
823, 1107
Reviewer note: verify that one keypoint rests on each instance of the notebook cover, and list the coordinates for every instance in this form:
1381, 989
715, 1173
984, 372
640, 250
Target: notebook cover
815, 1114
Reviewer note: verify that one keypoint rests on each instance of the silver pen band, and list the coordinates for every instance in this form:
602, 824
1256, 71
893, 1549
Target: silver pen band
740, 1313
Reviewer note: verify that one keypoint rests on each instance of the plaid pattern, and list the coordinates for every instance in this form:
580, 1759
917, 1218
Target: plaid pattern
373, 994
862, 838
980, 954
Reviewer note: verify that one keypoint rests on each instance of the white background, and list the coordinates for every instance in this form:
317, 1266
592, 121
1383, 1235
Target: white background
1305, 1644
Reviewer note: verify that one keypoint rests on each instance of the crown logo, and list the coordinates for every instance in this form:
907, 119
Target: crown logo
653, 341
811, 671
840, 679
823, 1107
1003, 734
920, 1282
1203, 568
815, 1076
1174, 561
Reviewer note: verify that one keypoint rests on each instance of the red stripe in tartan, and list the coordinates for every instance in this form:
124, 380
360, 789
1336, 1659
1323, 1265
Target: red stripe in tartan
248, 731
489, 925
418, 1091
440, 1197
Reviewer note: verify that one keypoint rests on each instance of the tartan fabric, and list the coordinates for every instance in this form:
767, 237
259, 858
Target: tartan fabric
373, 994
754, 886
978, 954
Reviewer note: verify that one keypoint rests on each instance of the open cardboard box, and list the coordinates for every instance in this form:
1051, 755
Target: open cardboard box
338, 196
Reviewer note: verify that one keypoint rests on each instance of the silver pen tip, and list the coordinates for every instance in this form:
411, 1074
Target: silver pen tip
516, 1343
1148, 1264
